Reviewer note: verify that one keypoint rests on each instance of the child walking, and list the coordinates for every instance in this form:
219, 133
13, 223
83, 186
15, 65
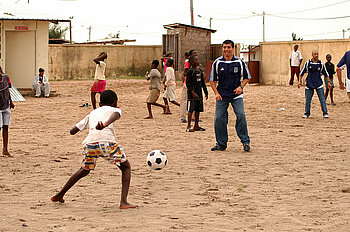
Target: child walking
154, 88
5, 105
101, 142
169, 86
195, 84
100, 80
331, 71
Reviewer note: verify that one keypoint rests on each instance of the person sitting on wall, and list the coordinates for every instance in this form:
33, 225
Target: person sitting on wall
41, 84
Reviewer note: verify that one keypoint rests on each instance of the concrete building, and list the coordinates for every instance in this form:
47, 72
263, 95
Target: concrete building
24, 46
274, 57
181, 38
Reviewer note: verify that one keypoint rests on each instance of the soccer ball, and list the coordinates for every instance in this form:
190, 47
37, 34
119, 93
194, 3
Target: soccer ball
156, 159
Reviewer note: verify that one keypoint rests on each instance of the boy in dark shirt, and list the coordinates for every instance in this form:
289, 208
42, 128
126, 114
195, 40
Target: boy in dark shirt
195, 83
5, 105
330, 69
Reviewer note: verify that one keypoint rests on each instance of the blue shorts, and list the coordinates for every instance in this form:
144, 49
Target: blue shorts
5, 116
109, 151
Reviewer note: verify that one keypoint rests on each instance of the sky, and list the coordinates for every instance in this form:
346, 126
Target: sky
240, 21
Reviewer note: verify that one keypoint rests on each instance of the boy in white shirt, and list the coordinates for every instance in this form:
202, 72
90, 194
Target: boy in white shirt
101, 142
295, 59
169, 86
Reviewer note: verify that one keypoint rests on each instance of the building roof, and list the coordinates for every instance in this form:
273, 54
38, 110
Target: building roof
181, 25
22, 11
109, 41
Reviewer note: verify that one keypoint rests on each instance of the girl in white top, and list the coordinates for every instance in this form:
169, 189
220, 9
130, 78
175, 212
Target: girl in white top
169, 86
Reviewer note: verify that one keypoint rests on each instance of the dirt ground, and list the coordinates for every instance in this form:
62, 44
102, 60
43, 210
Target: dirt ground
295, 178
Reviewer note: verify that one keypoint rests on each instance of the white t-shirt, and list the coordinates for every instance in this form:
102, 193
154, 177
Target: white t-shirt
170, 76
100, 71
295, 57
90, 121
347, 81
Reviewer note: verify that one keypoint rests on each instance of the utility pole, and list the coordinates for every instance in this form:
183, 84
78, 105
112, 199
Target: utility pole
191, 8
263, 15
210, 19
89, 28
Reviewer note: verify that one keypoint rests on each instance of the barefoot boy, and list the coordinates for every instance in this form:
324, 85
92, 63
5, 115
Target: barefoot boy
195, 83
101, 142
154, 88
169, 86
5, 105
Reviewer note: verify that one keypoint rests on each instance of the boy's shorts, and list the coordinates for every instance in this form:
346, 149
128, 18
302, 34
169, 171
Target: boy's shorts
194, 105
170, 93
330, 80
5, 116
109, 151
153, 95
99, 86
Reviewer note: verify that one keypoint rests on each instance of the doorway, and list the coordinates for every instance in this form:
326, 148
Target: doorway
20, 57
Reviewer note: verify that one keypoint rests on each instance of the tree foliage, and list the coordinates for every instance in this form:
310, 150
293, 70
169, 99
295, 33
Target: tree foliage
294, 37
56, 31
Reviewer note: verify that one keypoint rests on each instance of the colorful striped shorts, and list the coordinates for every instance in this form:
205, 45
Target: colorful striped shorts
109, 151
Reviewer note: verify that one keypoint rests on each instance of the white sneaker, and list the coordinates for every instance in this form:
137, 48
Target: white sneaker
305, 116
326, 116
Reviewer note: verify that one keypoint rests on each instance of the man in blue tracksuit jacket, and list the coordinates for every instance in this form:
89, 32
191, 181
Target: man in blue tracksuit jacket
314, 68
228, 71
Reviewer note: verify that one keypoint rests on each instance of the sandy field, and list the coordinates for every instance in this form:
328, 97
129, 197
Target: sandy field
295, 178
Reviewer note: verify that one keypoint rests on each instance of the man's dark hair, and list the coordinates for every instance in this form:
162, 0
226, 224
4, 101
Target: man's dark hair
171, 61
187, 54
191, 52
108, 97
156, 63
228, 41
192, 58
41, 70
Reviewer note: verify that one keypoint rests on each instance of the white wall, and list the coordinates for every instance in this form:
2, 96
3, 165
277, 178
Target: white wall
20, 30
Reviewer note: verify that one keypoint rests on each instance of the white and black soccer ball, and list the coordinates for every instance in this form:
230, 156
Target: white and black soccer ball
156, 159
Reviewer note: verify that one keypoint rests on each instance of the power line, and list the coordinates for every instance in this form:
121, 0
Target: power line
316, 8
331, 18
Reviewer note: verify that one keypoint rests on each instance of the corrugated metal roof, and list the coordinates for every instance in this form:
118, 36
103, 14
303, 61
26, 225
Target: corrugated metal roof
26, 12
15, 94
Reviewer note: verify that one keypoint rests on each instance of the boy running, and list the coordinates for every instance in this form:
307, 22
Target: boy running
169, 86
101, 142
154, 88
195, 83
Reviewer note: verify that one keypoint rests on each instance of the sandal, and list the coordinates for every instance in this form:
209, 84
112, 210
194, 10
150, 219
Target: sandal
199, 129
189, 130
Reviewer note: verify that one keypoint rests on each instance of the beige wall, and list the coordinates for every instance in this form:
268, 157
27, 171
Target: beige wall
26, 50
274, 57
76, 61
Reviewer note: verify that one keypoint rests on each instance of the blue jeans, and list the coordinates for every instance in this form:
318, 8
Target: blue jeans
221, 120
308, 97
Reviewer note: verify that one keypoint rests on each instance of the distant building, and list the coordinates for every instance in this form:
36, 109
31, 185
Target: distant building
24, 41
181, 38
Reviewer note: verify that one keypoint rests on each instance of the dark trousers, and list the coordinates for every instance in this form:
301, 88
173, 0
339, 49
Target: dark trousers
293, 70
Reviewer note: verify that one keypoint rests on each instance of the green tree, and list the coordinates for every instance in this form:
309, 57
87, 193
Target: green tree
294, 37
56, 31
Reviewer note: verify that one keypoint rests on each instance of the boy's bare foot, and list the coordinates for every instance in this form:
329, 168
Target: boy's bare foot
56, 198
127, 206
149, 117
6, 153
167, 110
